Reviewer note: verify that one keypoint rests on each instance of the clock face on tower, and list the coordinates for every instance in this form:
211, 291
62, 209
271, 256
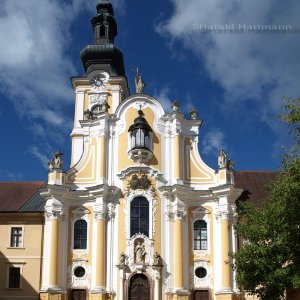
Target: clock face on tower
99, 80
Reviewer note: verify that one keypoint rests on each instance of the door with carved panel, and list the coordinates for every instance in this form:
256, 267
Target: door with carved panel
139, 288
78, 295
201, 295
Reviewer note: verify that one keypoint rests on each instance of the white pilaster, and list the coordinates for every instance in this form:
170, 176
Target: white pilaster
217, 251
79, 107
110, 247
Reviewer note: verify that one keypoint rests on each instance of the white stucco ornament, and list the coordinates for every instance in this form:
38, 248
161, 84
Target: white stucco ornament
99, 81
99, 98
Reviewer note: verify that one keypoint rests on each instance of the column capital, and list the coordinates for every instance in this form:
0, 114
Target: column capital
111, 210
179, 213
54, 215
53, 210
99, 215
100, 211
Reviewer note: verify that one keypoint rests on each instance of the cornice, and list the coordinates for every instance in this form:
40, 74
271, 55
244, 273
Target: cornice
185, 193
143, 169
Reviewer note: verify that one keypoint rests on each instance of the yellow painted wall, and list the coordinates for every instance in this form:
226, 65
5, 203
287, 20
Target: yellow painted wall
72, 255
28, 257
199, 172
193, 254
124, 161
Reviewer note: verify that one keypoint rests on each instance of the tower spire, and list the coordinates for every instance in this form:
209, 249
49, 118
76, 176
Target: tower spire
103, 54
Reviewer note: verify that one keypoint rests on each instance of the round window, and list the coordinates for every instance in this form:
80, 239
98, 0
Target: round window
200, 272
79, 272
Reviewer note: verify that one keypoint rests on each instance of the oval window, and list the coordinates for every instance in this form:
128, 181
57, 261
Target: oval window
79, 272
200, 272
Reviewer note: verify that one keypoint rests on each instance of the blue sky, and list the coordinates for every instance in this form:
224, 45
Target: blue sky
236, 80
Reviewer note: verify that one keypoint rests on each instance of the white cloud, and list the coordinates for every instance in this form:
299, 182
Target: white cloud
163, 96
40, 156
261, 67
35, 65
213, 142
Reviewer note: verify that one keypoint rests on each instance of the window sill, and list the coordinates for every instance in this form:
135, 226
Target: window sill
16, 248
201, 252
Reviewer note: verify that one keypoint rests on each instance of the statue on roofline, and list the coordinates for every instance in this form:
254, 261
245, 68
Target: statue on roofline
139, 83
222, 159
56, 162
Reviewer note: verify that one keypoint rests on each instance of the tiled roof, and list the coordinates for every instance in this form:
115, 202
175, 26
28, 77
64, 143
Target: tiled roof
20, 196
254, 185
24, 196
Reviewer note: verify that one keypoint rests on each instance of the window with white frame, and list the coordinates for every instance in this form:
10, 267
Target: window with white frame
139, 216
80, 234
200, 235
14, 277
16, 236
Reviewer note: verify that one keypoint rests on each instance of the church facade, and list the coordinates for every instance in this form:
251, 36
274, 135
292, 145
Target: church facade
138, 215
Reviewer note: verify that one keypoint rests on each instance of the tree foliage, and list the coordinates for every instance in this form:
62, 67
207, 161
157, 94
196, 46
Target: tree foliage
268, 264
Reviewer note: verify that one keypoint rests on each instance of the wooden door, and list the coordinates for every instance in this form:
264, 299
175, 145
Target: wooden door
201, 295
78, 295
139, 288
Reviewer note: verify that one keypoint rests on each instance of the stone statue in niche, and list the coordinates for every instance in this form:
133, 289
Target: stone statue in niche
222, 159
140, 252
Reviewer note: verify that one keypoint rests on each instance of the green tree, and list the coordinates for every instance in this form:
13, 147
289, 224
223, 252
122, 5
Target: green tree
268, 264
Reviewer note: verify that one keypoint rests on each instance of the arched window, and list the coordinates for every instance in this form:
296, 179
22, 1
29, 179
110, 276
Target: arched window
139, 216
102, 31
200, 235
80, 234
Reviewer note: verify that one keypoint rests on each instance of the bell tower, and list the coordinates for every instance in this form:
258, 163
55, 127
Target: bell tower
103, 54
104, 85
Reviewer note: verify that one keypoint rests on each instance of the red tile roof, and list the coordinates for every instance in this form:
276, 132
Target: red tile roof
254, 185
13, 195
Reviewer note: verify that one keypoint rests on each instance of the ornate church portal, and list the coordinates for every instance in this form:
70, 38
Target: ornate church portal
138, 215
78, 295
139, 288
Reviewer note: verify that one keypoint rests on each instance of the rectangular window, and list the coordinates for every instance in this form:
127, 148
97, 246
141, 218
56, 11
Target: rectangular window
16, 237
200, 235
14, 277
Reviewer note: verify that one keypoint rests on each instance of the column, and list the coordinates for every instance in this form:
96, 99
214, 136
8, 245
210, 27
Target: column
121, 286
102, 158
226, 260
176, 156
99, 255
110, 246
178, 260
51, 249
53, 276
157, 276
178, 253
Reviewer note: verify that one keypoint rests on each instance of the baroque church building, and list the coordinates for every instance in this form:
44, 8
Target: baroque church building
138, 215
